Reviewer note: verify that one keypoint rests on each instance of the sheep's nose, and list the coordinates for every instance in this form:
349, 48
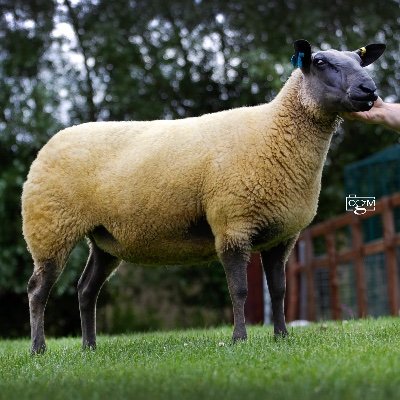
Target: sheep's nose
368, 88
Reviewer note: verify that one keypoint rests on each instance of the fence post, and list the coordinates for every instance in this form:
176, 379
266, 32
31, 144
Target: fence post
357, 244
389, 235
333, 278
308, 257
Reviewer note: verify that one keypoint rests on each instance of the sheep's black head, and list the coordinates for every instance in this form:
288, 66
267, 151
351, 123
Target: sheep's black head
336, 79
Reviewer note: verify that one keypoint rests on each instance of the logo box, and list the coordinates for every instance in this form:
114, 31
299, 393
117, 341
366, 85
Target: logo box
360, 205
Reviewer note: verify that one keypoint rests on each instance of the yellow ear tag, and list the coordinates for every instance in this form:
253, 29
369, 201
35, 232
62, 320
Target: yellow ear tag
362, 50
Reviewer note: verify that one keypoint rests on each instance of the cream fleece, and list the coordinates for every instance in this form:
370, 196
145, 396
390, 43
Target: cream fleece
137, 188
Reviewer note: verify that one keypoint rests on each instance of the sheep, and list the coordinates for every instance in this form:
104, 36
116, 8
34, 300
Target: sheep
190, 190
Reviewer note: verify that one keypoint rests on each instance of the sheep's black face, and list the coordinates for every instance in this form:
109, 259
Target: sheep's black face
337, 80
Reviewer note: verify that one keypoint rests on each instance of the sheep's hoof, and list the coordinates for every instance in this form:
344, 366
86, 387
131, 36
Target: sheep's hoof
89, 346
281, 334
237, 338
38, 349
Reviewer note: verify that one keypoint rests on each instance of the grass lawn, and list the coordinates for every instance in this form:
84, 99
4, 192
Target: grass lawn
353, 360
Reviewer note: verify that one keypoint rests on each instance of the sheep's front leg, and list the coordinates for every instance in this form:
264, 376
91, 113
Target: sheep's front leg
235, 266
274, 261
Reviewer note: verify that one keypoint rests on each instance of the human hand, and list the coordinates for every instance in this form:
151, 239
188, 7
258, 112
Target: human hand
387, 114
374, 116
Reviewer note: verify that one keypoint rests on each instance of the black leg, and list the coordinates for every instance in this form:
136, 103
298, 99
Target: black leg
98, 267
235, 266
274, 261
39, 287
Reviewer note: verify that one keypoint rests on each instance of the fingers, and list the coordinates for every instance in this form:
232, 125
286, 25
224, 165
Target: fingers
356, 116
378, 102
373, 116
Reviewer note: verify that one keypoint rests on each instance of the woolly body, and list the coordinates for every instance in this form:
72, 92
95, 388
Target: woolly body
139, 188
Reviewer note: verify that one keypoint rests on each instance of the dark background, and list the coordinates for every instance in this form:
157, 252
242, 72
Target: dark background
65, 62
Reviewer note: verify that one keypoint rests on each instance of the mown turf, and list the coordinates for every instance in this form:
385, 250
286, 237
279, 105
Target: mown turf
354, 360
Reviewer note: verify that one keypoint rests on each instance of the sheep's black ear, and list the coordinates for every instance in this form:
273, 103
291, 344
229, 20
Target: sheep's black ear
302, 55
370, 53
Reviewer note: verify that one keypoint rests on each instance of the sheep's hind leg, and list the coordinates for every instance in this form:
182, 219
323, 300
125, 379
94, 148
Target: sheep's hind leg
98, 267
274, 261
39, 286
235, 266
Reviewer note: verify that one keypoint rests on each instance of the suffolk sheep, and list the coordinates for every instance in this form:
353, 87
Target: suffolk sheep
190, 190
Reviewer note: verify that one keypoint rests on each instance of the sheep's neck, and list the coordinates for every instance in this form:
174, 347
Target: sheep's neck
300, 128
295, 140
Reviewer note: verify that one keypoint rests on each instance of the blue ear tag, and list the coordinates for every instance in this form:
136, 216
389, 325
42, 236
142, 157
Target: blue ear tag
297, 60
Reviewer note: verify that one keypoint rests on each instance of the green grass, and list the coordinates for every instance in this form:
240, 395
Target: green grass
354, 360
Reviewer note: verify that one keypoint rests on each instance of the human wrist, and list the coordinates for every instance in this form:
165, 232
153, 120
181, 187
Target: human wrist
390, 115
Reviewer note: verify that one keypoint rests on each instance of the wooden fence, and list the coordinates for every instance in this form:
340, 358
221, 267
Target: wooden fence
305, 261
322, 251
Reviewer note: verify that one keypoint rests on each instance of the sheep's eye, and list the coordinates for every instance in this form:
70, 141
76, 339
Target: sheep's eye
319, 62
